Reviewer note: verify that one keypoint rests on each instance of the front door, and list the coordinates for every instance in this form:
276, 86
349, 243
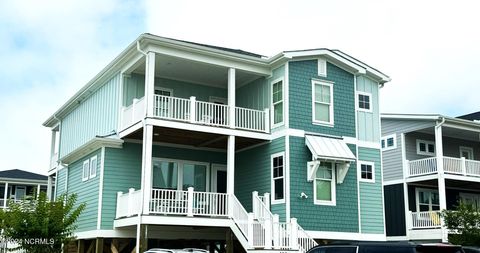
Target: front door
219, 178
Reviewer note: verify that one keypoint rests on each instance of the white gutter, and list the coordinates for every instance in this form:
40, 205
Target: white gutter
140, 50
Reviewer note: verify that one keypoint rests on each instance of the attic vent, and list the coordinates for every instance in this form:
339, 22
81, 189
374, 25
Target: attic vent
322, 67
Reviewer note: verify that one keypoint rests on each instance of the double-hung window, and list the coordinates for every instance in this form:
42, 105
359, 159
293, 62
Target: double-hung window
367, 171
278, 178
364, 101
277, 102
86, 170
425, 147
93, 167
427, 200
322, 104
324, 184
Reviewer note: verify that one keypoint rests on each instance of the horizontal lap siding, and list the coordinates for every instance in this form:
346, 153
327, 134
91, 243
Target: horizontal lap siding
61, 181
122, 170
96, 115
340, 218
254, 95
253, 173
87, 191
371, 206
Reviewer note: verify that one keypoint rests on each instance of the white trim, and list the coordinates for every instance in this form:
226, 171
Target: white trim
93, 166
345, 236
469, 150
397, 238
159, 88
287, 178
360, 143
272, 184
430, 190
331, 55
214, 168
393, 182
359, 205
331, 104
100, 188
367, 163
172, 220
180, 168
333, 187
94, 144
85, 168
385, 140
357, 105
426, 152
287, 132
272, 116
322, 67
286, 96
214, 99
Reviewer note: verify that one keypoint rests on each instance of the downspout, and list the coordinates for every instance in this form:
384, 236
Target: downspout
441, 123
441, 177
140, 211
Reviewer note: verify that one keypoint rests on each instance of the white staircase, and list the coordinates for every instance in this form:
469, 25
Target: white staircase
262, 231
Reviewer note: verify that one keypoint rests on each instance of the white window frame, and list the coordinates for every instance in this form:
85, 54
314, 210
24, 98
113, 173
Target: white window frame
93, 167
360, 163
180, 166
319, 122
272, 180
426, 145
333, 202
385, 140
164, 89
466, 149
322, 67
358, 101
417, 198
272, 116
85, 170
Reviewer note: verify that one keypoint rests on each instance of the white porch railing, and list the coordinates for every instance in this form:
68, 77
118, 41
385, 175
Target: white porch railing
197, 112
451, 165
425, 220
133, 113
128, 204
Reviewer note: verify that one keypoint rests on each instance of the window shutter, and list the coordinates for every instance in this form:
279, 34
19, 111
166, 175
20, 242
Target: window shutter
322, 67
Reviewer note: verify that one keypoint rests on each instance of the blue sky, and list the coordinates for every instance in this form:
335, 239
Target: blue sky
49, 49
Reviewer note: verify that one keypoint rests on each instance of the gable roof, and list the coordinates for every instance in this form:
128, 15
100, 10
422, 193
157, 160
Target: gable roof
21, 174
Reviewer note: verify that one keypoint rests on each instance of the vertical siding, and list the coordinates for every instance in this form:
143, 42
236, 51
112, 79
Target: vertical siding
87, 191
340, 218
392, 159
368, 122
254, 95
253, 173
371, 206
395, 210
300, 94
97, 115
133, 87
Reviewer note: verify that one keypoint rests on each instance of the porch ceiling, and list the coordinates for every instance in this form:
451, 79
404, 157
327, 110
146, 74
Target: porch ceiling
193, 138
454, 133
450, 183
196, 72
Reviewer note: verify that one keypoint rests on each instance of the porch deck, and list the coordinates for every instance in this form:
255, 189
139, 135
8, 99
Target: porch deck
451, 165
198, 112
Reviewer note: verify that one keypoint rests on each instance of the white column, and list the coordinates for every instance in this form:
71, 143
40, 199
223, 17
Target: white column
147, 167
149, 83
52, 148
441, 177
5, 196
231, 165
231, 96
49, 188
38, 190
408, 222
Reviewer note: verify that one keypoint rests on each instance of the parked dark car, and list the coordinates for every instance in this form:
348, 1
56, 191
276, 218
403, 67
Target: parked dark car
471, 249
386, 247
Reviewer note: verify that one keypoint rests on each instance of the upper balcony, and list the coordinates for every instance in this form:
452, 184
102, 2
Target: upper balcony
451, 165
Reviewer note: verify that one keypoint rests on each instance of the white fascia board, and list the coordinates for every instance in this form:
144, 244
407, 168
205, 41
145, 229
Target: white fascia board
330, 56
410, 116
22, 181
91, 146
370, 71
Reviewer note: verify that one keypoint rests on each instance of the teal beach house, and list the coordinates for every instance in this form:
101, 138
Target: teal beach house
180, 144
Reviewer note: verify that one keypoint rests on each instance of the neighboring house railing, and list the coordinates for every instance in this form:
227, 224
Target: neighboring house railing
425, 220
197, 112
451, 165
